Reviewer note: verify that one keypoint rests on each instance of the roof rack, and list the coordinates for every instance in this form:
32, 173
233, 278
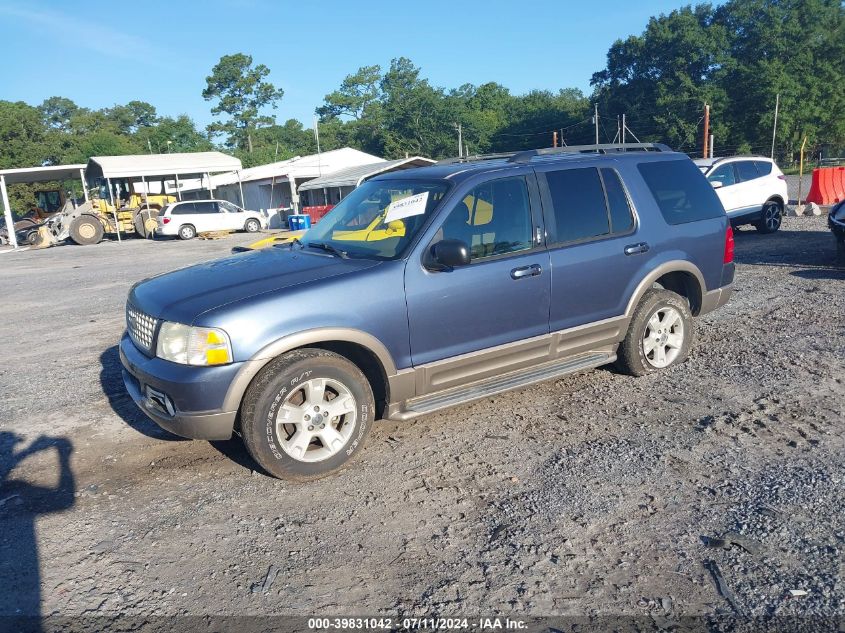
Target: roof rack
602, 148
525, 156
474, 158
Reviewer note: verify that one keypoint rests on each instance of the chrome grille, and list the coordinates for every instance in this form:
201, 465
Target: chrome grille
141, 327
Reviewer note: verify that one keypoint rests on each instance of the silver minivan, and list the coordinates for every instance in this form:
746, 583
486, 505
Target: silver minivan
186, 219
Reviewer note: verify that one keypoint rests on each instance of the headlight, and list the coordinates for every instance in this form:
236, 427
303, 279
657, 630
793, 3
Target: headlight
193, 345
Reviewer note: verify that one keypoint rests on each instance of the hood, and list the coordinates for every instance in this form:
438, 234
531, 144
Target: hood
183, 295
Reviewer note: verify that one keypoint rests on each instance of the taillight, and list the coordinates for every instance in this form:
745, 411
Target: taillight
729, 246
165, 220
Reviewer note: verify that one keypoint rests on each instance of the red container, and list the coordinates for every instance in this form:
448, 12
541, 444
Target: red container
317, 212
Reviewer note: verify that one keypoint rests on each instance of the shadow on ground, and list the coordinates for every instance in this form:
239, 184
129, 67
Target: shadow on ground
786, 248
21, 505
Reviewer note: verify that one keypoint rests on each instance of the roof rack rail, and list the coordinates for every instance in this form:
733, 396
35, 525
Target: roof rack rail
476, 157
602, 148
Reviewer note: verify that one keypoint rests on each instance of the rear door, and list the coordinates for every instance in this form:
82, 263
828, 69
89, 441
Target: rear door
501, 297
752, 188
595, 248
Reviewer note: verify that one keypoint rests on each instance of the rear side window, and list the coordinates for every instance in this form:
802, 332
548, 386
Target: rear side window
205, 207
579, 205
764, 167
621, 218
682, 193
745, 170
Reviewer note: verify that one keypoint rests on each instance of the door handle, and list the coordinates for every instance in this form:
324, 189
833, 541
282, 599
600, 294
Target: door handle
633, 249
526, 271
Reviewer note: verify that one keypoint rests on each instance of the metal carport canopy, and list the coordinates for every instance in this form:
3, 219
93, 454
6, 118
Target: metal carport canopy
142, 165
30, 175
354, 176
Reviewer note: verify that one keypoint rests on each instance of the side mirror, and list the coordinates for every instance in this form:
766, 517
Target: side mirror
717, 184
449, 254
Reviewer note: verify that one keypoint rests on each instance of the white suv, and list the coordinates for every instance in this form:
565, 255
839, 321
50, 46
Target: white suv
752, 189
186, 219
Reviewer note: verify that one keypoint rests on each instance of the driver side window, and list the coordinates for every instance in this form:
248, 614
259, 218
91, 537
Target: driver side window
492, 219
724, 174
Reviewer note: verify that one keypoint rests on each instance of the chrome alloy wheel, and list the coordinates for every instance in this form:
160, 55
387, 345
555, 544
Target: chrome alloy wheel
663, 337
316, 420
771, 216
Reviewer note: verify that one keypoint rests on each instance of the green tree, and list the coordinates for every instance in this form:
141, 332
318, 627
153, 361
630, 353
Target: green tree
356, 92
241, 92
57, 112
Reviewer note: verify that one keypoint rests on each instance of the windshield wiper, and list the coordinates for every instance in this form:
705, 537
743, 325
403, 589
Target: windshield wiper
329, 249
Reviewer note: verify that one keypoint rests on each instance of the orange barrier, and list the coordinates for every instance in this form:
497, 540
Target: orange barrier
828, 185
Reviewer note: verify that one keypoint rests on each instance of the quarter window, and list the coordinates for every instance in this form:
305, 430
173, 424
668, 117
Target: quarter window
680, 190
579, 204
493, 219
764, 167
745, 170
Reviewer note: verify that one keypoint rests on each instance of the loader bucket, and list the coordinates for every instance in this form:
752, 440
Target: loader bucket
44, 239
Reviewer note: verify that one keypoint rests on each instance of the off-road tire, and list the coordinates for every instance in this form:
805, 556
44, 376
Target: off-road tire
252, 226
187, 232
86, 230
277, 381
140, 220
771, 218
631, 356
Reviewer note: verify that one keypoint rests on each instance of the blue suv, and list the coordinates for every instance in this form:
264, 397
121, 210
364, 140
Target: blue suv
428, 288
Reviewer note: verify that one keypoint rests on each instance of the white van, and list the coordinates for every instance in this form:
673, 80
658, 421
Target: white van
186, 219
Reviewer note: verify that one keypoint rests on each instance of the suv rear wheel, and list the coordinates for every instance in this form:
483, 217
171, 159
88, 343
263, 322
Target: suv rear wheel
659, 335
187, 232
252, 226
307, 414
771, 218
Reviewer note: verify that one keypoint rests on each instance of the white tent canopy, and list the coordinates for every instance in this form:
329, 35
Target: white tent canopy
144, 165
30, 175
41, 174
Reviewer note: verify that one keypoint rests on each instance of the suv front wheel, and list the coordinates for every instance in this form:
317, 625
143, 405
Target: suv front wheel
659, 335
307, 414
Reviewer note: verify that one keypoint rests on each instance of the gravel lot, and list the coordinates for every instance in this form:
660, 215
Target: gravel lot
597, 494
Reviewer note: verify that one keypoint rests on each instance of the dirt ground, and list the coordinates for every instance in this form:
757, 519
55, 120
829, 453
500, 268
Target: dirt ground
713, 488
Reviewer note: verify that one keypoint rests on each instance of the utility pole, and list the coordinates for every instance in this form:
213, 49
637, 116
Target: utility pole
775, 127
459, 128
554, 138
623, 132
711, 146
317, 138
596, 121
704, 152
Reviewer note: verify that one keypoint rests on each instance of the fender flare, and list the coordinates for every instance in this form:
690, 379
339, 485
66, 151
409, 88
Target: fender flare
270, 352
677, 265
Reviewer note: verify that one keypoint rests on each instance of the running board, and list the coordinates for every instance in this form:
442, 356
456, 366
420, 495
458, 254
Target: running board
491, 386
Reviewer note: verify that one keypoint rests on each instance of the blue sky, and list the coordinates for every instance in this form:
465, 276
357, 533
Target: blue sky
102, 53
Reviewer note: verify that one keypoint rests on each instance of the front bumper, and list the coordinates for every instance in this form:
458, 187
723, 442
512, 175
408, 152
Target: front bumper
197, 394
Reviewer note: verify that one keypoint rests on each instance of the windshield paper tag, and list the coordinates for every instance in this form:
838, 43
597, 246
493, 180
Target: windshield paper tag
406, 207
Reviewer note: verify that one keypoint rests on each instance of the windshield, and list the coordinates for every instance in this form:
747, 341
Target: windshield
378, 219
